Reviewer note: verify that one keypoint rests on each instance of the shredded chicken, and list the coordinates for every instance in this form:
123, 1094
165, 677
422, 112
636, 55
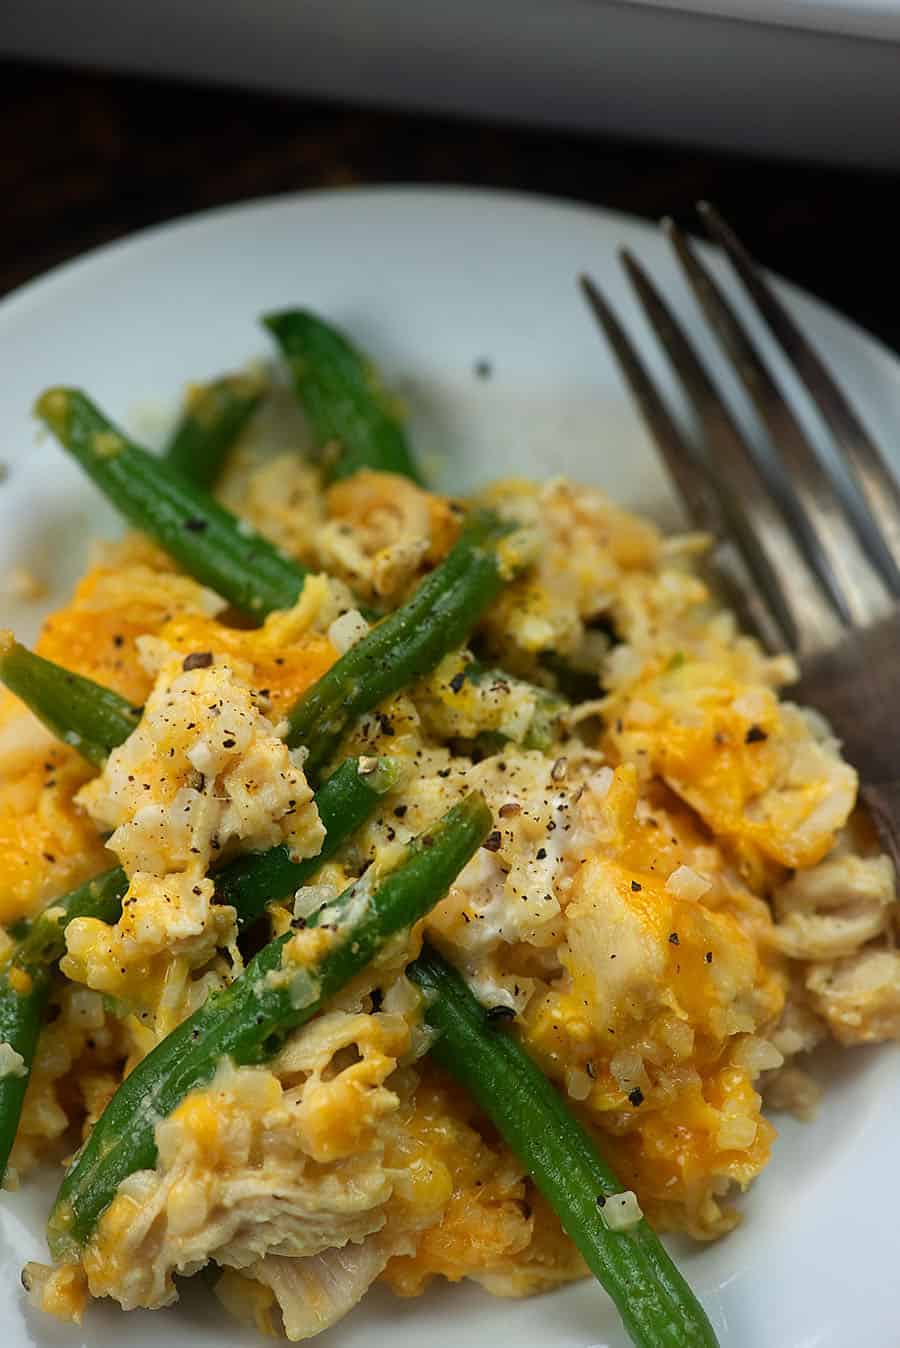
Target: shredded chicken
678, 903
203, 769
859, 997
834, 908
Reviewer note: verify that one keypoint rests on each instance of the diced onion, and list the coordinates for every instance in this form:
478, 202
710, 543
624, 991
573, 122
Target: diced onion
12, 1064
685, 883
86, 1006
628, 1068
622, 1211
736, 1134
311, 898
578, 1083
757, 1055
402, 998
346, 630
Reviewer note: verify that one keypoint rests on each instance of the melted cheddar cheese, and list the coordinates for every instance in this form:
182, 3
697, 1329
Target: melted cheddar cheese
676, 899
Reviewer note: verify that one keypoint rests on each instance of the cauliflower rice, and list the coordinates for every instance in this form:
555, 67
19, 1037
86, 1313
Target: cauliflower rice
680, 901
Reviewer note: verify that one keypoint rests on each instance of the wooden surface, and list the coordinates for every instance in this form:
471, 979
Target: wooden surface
87, 158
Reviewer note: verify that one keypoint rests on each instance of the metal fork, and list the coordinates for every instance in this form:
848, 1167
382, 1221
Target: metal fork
809, 552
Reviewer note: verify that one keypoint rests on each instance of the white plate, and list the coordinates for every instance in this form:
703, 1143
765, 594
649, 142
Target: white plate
432, 282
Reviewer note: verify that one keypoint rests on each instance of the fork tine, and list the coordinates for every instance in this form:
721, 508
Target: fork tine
879, 527
817, 516
692, 481
789, 589
689, 474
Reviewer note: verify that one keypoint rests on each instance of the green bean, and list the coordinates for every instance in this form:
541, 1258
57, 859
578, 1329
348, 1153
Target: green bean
249, 883
212, 545
213, 418
26, 983
399, 649
249, 1021
21, 1017
403, 646
344, 801
354, 419
658, 1308
82, 713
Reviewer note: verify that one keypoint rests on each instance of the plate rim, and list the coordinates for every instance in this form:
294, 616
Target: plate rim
35, 292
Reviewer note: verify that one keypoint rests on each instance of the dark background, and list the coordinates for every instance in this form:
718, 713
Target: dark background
85, 158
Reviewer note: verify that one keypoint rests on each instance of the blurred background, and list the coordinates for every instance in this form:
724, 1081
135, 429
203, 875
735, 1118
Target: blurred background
784, 112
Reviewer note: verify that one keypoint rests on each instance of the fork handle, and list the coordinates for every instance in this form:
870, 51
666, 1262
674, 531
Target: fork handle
883, 802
